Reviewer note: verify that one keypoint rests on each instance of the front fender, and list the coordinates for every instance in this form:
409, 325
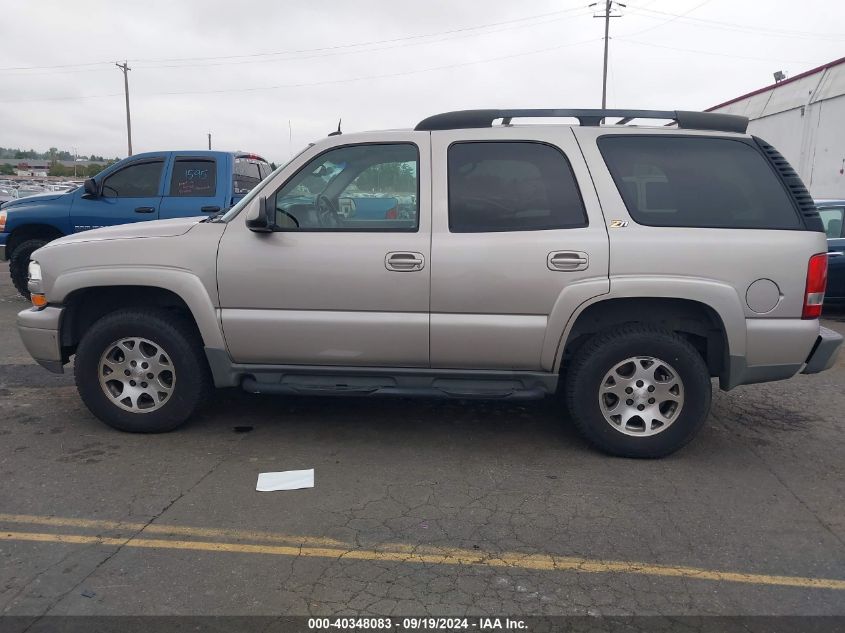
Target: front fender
54, 213
181, 282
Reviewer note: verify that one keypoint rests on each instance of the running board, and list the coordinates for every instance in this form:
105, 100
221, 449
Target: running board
407, 383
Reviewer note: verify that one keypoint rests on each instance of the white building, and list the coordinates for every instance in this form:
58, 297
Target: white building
804, 118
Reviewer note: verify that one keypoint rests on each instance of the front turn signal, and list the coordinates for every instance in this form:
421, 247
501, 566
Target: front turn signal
38, 300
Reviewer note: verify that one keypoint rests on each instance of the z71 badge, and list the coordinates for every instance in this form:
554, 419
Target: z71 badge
618, 224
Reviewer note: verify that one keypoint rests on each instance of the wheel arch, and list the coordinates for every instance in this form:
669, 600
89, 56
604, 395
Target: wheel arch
714, 323
28, 232
90, 295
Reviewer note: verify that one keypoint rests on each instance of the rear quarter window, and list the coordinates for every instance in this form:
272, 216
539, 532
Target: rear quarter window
248, 173
697, 182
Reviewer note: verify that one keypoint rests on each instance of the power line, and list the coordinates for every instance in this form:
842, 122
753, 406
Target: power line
733, 26
374, 48
698, 51
319, 83
339, 47
671, 19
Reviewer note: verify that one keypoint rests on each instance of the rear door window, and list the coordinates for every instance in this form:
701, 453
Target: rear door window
193, 178
511, 186
697, 182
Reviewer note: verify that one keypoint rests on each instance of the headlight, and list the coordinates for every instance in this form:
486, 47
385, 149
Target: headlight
34, 271
34, 286
2, 221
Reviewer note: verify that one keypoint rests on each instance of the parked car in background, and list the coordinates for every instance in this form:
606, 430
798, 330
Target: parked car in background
150, 186
26, 192
625, 265
832, 213
8, 194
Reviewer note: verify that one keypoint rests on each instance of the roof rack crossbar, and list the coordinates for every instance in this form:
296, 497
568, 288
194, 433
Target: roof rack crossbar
713, 121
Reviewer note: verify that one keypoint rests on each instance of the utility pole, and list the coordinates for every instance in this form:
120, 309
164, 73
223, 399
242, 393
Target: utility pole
124, 67
209, 140
608, 6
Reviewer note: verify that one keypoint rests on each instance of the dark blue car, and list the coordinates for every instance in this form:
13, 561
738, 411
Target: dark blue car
832, 213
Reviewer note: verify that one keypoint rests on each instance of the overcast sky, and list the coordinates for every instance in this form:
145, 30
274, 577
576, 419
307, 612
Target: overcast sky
243, 70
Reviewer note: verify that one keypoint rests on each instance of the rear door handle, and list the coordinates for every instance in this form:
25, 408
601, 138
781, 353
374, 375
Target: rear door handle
145, 210
210, 209
567, 260
404, 261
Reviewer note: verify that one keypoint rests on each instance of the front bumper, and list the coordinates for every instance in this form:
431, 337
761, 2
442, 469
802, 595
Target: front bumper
39, 331
3, 237
824, 351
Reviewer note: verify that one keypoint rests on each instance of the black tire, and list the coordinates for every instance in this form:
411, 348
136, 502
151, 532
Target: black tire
601, 354
19, 264
176, 335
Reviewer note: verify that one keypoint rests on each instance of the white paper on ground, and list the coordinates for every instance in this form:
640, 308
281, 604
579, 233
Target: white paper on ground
285, 480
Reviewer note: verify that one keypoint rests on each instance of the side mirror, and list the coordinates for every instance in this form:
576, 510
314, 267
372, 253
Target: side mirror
91, 188
262, 216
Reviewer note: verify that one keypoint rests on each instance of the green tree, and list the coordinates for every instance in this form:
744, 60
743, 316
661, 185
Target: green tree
7, 170
57, 169
94, 168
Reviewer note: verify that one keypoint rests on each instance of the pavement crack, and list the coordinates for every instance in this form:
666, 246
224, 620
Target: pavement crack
128, 539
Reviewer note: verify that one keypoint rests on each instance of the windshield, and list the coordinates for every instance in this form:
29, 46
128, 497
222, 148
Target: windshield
231, 213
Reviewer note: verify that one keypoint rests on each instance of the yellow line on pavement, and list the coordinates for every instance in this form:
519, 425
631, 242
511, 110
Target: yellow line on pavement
155, 528
445, 556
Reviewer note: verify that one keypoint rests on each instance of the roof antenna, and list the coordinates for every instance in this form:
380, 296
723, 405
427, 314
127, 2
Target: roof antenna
337, 132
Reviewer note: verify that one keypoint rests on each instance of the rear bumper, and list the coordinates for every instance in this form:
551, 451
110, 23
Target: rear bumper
777, 349
39, 331
824, 351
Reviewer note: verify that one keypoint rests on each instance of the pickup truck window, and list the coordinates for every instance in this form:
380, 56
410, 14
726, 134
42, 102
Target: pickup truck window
248, 173
193, 178
832, 221
697, 182
140, 180
511, 186
354, 188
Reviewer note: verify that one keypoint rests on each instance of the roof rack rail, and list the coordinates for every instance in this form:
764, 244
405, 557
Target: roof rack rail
713, 121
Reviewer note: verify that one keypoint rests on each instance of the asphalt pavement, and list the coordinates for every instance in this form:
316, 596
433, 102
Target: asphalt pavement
419, 507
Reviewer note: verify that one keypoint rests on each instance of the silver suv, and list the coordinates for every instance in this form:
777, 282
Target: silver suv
621, 265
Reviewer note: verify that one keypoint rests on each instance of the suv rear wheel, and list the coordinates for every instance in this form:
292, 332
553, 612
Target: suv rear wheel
638, 391
142, 370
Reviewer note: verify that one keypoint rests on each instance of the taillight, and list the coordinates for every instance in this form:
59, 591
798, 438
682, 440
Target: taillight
392, 214
816, 282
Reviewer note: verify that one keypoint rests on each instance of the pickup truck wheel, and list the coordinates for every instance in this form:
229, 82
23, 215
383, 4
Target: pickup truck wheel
142, 370
19, 264
638, 391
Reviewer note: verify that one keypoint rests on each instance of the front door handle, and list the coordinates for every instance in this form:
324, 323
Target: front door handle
145, 210
404, 261
210, 209
567, 260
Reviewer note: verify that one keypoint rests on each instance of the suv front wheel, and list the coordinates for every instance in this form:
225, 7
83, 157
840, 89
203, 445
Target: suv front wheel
142, 370
638, 391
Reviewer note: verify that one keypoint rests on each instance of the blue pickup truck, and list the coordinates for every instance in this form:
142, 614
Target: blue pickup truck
150, 186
